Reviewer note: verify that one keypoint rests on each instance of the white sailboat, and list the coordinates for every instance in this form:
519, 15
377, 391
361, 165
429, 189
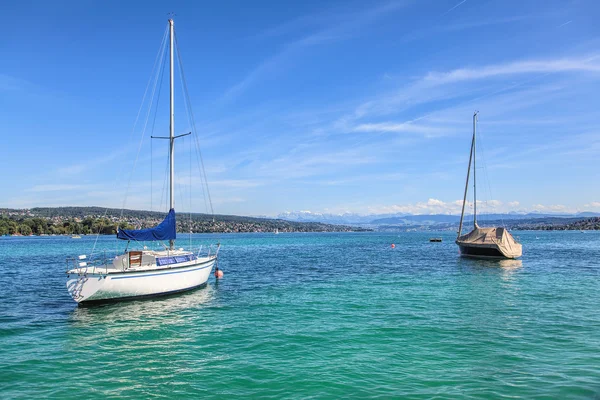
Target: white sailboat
143, 273
495, 242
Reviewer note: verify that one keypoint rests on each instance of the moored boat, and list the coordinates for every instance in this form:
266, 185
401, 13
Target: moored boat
142, 272
493, 242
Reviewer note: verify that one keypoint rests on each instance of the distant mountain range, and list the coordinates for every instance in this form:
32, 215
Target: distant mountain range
408, 220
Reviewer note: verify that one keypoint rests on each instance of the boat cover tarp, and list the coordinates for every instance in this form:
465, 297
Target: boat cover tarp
164, 231
498, 238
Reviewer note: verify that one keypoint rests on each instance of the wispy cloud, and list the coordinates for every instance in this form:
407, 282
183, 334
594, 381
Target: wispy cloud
340, 26
391, 127
78, 168
584, 64
566, 23
456, 6
441, 87
11, 83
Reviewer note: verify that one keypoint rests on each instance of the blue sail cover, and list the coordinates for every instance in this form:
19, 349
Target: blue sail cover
163, 231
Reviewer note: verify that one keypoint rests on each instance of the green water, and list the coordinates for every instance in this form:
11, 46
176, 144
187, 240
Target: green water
314, 316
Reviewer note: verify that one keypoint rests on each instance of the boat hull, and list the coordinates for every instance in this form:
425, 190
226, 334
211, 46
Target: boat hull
480, 252
488, 252
98, 288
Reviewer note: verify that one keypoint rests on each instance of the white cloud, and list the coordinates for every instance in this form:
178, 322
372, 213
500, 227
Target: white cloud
431, 206
584, 64
436, 206
551, 208
593, 204
427, 131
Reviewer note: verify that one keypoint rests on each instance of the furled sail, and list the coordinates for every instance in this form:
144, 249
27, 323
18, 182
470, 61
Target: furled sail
164, 231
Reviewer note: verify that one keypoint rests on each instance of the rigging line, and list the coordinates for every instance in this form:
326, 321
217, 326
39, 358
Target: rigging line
160, 49
142, 138
163, 190
191, 112
181, 192
162, 73
190, 174
188, 106
202, 182
488, 181
151, 174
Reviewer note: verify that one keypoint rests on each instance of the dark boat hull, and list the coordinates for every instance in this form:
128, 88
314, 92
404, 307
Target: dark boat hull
480, 252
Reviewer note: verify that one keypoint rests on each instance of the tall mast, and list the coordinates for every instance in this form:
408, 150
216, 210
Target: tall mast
172, 129
474, 170
471, 158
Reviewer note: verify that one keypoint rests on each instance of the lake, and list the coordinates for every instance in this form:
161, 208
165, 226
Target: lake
313, 316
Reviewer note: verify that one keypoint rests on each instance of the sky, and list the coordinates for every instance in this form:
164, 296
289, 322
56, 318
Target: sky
323, 106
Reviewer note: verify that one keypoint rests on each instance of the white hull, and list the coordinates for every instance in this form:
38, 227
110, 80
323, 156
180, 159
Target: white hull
97, 286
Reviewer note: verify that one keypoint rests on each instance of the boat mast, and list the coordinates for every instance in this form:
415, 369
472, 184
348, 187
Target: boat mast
462, 214
172, 129
474, 170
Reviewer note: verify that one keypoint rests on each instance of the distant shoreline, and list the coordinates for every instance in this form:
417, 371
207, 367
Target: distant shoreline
93, 220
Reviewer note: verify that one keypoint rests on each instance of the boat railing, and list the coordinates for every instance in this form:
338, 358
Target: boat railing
82, 266
210, 249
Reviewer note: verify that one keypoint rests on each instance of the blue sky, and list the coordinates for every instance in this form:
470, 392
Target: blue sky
339, 106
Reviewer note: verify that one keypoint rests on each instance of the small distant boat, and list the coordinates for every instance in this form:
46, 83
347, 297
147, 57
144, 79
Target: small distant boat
276, 231
494, 242
437, 240
75, 237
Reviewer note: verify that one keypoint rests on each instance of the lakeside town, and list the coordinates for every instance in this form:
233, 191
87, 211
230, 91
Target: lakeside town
93, 220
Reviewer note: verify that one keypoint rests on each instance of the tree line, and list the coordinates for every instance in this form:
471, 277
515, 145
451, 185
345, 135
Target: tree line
40, 226
60, 225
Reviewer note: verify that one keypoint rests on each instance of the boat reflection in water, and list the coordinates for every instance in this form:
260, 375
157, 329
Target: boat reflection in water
141, 315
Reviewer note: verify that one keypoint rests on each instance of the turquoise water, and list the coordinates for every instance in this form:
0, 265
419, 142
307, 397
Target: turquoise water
314, 316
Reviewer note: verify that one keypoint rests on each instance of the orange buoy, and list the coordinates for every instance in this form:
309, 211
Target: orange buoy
393, 246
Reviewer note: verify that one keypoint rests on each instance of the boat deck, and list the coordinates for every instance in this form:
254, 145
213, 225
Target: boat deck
142, 261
